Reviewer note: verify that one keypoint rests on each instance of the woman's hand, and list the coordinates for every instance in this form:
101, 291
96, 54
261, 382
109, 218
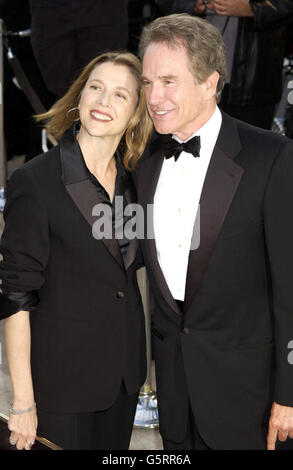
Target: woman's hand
23, 429
23, 426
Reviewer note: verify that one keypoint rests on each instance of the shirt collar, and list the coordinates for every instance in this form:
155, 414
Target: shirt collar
209, 131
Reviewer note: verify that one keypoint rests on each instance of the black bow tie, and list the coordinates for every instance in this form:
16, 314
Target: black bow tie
174, 148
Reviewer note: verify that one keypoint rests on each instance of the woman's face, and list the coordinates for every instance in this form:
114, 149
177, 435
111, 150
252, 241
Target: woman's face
108, 101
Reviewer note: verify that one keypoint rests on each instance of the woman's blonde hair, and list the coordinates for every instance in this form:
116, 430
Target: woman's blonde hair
62, 114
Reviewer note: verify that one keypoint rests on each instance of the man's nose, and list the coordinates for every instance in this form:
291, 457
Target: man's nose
155, 94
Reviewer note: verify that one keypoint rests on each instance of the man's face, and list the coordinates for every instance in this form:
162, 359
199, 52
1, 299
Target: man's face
176, 102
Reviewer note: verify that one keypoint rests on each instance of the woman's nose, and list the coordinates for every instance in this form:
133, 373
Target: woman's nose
105, 98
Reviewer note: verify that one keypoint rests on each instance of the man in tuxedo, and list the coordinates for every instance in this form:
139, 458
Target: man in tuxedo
223, 322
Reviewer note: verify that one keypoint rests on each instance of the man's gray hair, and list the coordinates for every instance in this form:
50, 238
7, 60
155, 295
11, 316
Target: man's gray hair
203, 42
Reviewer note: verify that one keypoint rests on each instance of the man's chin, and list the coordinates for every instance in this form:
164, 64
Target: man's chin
162, 129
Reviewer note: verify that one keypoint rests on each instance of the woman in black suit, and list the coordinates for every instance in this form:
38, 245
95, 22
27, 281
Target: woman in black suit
75, 324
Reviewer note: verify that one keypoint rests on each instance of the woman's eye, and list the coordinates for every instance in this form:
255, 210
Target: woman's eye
95, 87
121, 96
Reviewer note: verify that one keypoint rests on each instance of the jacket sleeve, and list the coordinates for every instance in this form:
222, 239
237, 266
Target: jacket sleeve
271, 14
24, 245
278, 225
168, 7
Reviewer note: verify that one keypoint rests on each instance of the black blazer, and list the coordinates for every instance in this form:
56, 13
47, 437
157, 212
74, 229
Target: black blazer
228, 351
88, 328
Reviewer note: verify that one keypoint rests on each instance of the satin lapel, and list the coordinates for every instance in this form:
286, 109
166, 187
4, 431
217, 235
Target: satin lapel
146, 187
222, 179
85, 196
80, 189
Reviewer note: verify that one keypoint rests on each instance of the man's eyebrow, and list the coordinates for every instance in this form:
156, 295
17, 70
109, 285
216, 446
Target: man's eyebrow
168, 77
162, 77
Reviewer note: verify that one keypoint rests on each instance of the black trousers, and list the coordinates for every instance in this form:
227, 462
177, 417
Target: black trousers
101, 430
192, 440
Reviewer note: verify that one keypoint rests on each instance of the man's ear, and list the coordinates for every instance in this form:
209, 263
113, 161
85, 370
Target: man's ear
211, 84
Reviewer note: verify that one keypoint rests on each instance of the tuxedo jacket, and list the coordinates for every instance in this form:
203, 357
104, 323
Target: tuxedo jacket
227, 352
87, 329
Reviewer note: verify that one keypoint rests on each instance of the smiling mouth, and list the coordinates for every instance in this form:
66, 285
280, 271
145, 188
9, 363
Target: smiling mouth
161, 114
100, 116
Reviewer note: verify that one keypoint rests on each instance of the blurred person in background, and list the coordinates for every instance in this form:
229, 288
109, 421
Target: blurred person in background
289, 108
66, 35
22, 133
255, 35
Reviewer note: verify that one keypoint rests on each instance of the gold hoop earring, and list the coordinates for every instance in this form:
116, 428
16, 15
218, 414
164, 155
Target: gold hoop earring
69, 111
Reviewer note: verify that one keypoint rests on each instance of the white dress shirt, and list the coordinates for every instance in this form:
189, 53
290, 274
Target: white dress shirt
176, 203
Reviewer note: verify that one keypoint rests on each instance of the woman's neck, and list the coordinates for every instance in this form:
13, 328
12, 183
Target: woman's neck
98, 153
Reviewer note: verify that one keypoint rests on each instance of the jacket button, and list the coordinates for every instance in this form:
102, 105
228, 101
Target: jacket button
120, 295
185, 331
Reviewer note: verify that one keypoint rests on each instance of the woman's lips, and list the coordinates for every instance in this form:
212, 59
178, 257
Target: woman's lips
100, 116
